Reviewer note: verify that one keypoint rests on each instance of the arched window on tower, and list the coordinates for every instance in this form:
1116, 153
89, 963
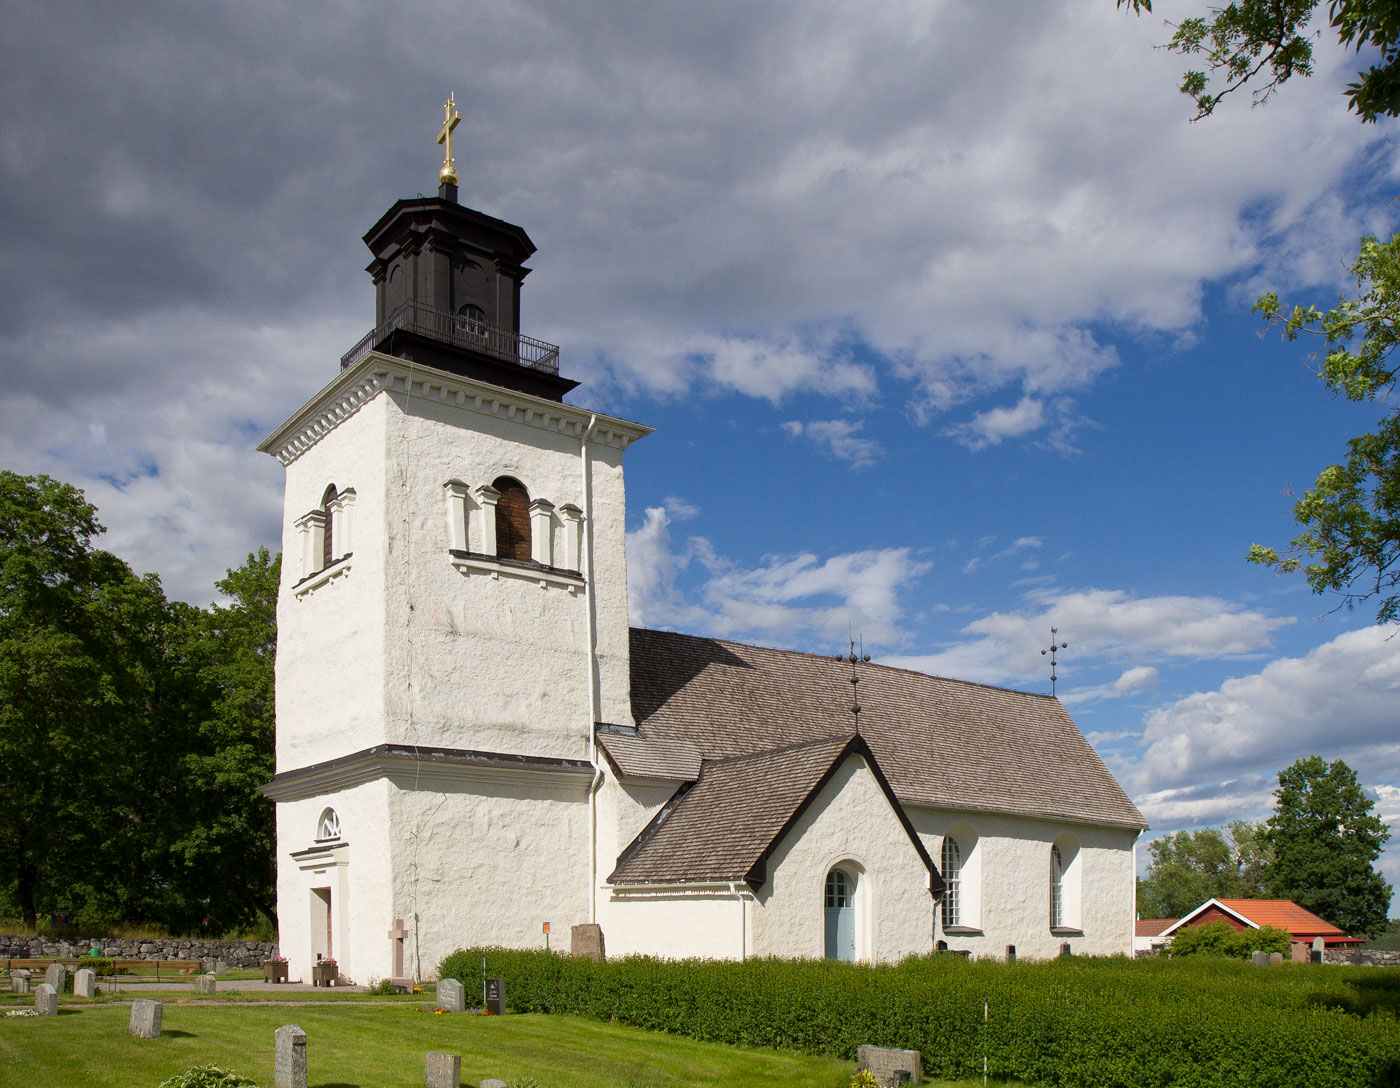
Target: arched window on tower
471, 320
327, 544
512, 519
952, 881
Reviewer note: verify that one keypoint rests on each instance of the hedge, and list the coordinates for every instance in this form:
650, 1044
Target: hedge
1073, 1022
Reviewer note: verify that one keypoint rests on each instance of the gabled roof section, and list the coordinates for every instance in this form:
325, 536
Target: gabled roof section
1281, 913
726, 826
943, 743
1152, 927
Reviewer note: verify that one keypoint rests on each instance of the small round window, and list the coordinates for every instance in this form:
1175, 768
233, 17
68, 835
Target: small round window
328, 827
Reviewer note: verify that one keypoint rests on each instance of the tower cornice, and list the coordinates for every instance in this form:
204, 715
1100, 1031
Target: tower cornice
378, 373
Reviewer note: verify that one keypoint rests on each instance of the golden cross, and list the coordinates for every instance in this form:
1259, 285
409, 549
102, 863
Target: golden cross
448, 174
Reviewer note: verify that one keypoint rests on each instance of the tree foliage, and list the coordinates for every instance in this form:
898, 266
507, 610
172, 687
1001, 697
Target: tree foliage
1350, 542
1222, 939
1325, 840
1190, 867
1266, 42
134, 731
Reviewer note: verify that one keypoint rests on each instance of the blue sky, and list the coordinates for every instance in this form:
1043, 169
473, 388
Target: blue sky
940, 310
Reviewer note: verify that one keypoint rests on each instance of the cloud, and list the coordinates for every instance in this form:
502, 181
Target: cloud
789, 600
1138, 678
839, 438
1337, 701
989, 428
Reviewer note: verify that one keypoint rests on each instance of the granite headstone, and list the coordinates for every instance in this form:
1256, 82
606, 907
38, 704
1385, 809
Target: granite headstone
442, 1070
145, 1019
289, 1070
85, 982
451, 995
45, 1000
57, 977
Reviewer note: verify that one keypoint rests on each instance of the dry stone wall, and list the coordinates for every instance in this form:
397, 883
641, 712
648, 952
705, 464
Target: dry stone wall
1370, 957
234, 953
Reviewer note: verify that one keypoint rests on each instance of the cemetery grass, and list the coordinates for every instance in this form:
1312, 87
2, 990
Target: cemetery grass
383, 1046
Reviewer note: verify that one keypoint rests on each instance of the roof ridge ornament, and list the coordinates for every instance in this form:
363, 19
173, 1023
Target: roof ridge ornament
1051, 652
853, 657
450, 120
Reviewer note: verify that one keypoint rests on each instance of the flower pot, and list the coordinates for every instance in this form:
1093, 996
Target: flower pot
274, 971
325, 974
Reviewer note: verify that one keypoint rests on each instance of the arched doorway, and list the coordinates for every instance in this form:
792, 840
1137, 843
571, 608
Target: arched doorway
840, 911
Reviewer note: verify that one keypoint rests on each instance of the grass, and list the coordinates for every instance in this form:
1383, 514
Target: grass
382, 1046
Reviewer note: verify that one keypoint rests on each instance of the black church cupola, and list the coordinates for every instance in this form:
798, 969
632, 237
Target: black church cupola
447, 290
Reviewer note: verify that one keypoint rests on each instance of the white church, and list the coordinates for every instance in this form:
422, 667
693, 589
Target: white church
474, 747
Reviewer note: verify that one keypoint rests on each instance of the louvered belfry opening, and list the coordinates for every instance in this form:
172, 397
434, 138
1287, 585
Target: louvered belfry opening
512, 519
327, 544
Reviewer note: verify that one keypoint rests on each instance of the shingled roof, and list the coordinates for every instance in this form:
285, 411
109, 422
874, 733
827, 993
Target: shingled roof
726, 826
942, 743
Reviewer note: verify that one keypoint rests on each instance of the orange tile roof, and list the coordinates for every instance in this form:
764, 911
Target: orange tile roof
1151, 927
1284, 914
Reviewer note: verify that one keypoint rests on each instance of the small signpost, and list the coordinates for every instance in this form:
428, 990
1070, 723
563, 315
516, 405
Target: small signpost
546, 936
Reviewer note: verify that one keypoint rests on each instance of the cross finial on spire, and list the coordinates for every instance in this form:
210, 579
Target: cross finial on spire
450, 120
853, 657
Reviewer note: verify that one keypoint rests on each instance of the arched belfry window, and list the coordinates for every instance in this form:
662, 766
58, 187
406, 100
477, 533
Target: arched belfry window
952, 881
328, 826
327, 544
1057, 887
471, 320
512, 519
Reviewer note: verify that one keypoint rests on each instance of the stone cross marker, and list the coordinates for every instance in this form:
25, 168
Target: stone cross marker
496, 996
145, 1019
289, 1070
451, 995
57, 977
442, 1070
397, 935
85, 983
45, 1000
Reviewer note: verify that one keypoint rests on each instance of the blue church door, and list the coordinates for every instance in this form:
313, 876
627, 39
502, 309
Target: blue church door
840, 916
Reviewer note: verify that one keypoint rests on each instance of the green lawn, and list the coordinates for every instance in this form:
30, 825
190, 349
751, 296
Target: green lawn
381, 1046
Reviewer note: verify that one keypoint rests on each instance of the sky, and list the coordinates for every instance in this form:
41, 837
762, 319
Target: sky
941, 312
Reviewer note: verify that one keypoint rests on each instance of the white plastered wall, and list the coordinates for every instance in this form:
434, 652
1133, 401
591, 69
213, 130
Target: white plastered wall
485, 862
355, 871
850, 822
1010, 882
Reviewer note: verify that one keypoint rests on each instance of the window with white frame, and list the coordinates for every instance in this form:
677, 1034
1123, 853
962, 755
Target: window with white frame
1057, 887
328, 826
952, 883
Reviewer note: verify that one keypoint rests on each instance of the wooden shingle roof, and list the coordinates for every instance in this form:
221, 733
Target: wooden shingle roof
942, 743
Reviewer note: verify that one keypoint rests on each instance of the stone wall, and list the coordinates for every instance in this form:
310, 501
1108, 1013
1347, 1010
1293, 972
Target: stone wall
234, 953
1370, 957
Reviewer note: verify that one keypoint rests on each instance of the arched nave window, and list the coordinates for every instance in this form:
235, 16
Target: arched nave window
1057, 887
952, 881
327, 544
512, 519
328, 826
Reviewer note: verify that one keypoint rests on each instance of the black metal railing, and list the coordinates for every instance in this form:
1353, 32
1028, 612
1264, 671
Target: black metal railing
459, 330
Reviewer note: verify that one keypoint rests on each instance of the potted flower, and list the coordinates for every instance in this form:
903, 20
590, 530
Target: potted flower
325, 972
275, 969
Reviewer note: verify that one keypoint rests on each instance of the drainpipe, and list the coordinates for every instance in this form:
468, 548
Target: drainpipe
743, 921
591, 643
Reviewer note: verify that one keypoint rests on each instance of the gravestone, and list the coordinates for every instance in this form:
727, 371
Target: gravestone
220, 967
492, 1082
19, 981
496, 996
1318, 946
1259, 959
586, 939
451, 995
397, 935
442, 1070
45, 1000
206, 984
891, 1066
289, 1070
85, 982
57, 977
1011, 953
1275, 959
1064, 948
145, 1019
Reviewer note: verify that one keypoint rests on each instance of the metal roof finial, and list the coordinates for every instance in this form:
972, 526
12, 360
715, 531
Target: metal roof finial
853, 657
1051, 652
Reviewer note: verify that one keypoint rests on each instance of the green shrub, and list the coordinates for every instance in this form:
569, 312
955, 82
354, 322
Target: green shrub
208, 1076
1080, 1022
1222, 939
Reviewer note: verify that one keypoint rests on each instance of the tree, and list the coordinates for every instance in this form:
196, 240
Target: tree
75, 674
1249, 40
1190, 867
1351, 515
1222, 939
1325, 838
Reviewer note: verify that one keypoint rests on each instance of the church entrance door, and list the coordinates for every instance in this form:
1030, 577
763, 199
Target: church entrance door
322, 946
840, 916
